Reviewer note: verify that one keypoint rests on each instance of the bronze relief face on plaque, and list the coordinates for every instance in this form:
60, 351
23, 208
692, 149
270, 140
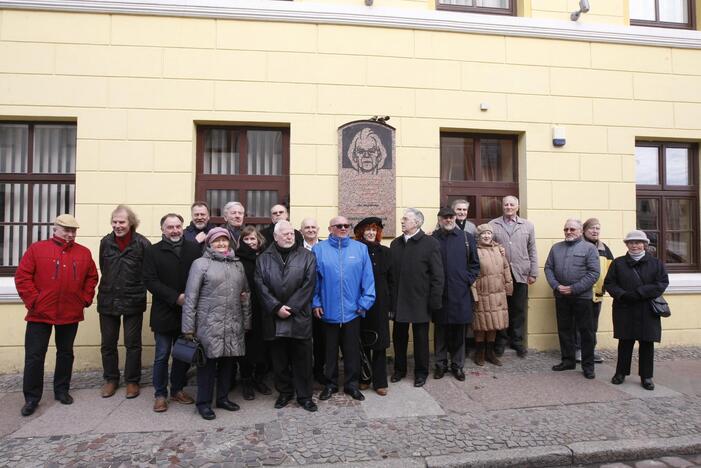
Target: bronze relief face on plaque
366, 172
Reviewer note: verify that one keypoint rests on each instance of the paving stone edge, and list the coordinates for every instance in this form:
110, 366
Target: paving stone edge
577, 453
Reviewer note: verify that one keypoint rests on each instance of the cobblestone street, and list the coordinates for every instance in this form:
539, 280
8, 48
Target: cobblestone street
496, 415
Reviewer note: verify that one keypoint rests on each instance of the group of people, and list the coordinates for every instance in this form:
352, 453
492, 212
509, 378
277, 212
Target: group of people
281, 299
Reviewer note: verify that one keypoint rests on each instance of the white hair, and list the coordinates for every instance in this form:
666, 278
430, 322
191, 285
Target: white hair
232, 204
280, 225
418, 214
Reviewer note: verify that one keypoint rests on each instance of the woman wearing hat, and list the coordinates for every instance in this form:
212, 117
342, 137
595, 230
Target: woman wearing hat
632, 280
492, 286
375, 324
217, 311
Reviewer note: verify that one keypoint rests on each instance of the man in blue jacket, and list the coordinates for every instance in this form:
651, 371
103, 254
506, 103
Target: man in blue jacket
345, 290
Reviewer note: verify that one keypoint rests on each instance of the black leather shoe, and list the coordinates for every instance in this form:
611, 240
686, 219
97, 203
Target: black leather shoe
647, 384
309, 405
29, 408
439, 372
499, 350
228, 405
206, 413
521, 351
397, 376
247, 392
588, 374
618, 379
419, 381
562, 367
459, 374
65, 399
261, 387
282, 401
327, 392
354, 394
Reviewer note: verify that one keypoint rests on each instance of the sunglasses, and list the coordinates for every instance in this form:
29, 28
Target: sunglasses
341, 226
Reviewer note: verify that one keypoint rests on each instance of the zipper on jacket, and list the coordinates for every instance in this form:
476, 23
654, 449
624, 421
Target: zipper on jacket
75, 271
340, 264
58, 267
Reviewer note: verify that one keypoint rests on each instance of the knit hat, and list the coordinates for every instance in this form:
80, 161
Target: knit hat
216, 233
636, 236
484, 228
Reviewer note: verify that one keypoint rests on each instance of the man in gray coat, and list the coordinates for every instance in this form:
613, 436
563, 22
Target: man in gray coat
517, 236
571, 269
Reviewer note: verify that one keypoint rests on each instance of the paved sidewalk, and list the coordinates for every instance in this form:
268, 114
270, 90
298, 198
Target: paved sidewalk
522, 414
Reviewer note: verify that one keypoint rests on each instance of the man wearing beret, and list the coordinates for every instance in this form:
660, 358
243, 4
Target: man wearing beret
56, 280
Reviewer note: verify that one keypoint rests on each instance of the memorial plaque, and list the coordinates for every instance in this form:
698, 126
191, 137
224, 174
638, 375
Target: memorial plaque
366, 173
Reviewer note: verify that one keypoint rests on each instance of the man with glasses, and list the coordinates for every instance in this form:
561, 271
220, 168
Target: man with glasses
417, 272
345, 290
571, 269
279, 213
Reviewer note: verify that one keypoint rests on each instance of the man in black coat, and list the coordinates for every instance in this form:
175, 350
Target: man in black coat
285, 279
166, 267
200, 225
417, 272
461, 266
121, 297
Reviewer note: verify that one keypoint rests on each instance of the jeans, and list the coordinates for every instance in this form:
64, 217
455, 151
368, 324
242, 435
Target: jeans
178, 370
36, 343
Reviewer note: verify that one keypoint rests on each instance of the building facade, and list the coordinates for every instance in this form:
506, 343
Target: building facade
158, 103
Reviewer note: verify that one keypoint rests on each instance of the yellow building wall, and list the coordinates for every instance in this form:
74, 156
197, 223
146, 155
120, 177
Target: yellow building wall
137, 86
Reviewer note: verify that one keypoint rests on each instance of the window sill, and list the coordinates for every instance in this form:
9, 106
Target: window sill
8, 292
684, 283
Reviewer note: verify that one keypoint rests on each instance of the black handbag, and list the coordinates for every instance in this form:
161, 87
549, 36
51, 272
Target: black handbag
190, 351
660, 307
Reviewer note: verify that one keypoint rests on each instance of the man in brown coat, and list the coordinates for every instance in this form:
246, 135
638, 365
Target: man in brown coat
517, 236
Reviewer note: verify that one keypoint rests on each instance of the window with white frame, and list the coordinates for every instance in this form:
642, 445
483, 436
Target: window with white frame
662, 13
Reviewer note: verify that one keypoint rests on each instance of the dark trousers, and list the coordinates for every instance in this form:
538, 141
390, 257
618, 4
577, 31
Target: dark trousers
595, 312
400, 337
254, 365
178, 370
217, 370
378, 366
646, 357
109, 331
518, 303
319, 347
575, 314
292, 367
449, 339
36, 343
348, 336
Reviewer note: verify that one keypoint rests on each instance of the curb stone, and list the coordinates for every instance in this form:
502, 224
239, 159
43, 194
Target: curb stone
553, 455
619, 450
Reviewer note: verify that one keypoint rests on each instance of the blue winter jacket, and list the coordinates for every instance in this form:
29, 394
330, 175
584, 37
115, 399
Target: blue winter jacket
345, 283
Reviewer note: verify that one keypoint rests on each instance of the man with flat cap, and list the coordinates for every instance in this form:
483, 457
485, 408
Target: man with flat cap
56, 280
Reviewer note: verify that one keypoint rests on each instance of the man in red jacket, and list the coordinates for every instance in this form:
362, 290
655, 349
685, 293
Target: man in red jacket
56, 280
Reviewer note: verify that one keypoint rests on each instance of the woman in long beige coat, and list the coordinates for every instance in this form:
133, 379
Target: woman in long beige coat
493, 284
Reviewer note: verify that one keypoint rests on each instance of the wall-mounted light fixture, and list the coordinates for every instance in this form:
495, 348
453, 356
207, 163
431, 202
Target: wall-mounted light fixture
583, 8
368, 2
559, 138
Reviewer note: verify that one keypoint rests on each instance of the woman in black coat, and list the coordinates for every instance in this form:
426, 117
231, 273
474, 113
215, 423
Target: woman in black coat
633, 280
254, 365
375, 324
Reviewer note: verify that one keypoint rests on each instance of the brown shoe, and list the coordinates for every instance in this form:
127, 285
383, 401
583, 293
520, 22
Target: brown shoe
478, 357
109, 389
182, 398
381, 391
160, 405
132, 390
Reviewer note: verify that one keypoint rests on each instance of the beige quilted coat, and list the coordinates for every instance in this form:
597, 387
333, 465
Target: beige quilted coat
493, 284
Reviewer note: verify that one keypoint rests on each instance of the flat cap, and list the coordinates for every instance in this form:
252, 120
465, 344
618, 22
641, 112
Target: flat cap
66, 220
446, 211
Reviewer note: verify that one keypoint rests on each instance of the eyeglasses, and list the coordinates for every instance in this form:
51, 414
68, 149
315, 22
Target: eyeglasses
277, 212
341, 226
570, 229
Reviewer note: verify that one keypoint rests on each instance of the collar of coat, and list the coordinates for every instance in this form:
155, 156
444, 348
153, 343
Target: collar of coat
631, 261
500, 220
416, 237
336, 241
442, 232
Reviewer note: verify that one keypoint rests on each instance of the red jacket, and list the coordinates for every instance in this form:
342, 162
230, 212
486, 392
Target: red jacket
56, 280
